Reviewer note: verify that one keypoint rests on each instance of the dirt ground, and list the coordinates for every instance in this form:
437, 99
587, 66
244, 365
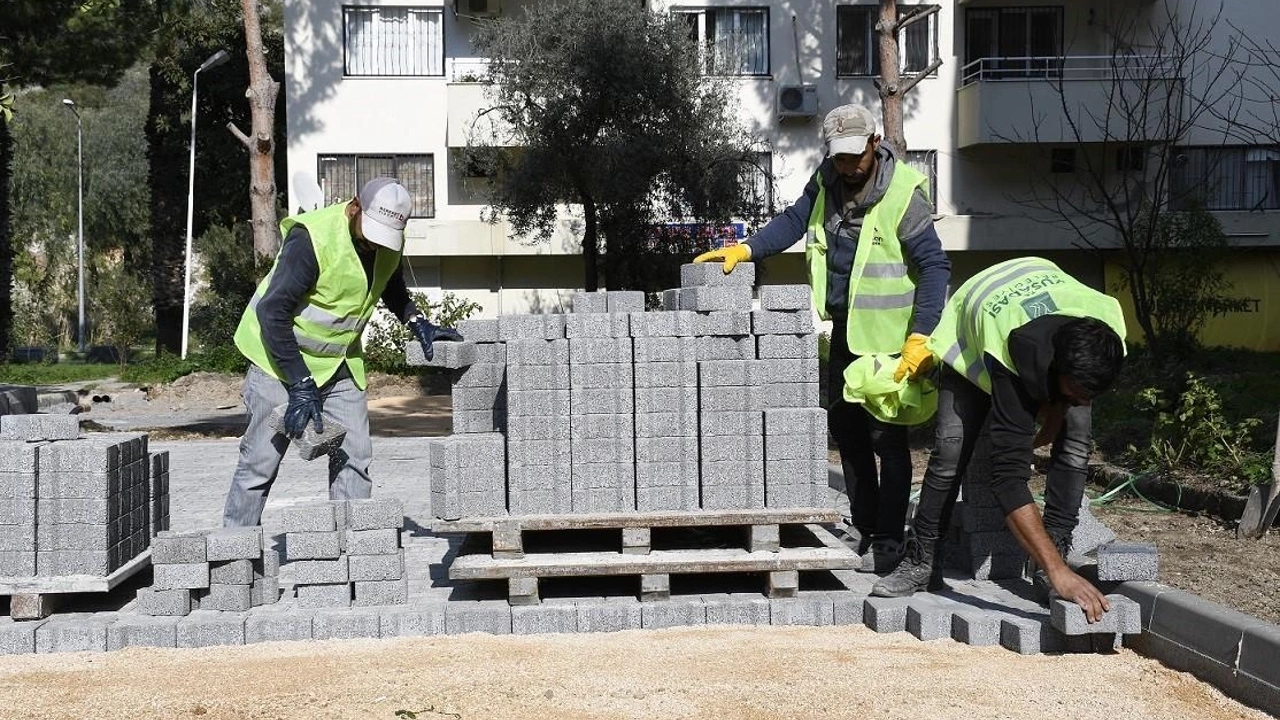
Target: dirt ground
741, 673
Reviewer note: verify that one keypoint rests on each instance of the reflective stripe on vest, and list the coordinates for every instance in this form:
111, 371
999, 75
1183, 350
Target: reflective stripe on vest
881, 288
979, 317
328, 325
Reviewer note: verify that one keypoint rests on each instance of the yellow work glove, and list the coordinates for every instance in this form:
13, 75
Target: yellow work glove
730, 256
915, 358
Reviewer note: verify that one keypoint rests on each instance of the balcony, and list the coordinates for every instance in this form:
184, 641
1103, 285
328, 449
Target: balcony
467, 99
1065, 100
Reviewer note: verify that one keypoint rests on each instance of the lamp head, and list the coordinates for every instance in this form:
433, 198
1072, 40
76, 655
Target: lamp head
215, 60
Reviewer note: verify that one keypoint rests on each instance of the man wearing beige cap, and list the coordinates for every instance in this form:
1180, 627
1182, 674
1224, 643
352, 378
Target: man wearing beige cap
878, 272
301, 332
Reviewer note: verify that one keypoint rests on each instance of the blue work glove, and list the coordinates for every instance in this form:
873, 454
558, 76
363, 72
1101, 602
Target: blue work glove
428, 334
304, 406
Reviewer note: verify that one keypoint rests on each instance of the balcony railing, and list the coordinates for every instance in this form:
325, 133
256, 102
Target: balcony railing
468, 70
1073, 67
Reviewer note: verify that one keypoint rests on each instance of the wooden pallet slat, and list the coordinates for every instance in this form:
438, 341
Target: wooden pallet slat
607, 521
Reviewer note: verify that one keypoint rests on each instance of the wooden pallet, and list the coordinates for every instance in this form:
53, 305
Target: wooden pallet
30, 597
777, 543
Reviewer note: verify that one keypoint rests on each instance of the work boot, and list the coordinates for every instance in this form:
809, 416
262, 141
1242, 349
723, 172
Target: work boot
1040, 579
920, 569
883, 556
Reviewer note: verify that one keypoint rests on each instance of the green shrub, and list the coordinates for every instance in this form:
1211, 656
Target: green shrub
386, 336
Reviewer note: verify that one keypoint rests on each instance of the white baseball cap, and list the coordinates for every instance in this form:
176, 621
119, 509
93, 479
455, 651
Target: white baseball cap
385, 205
847, 128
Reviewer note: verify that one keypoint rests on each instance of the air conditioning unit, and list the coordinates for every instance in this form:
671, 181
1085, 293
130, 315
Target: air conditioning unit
478, 8
797, 101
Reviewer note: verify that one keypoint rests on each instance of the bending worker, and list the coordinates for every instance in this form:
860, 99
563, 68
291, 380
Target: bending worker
1019, 340
878, 272
301, 332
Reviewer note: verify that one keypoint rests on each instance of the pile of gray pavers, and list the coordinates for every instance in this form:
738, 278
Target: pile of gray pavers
705, 404
347, 553
223, 570
72, 506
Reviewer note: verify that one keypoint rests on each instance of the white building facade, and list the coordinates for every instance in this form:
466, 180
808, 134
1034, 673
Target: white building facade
391, 87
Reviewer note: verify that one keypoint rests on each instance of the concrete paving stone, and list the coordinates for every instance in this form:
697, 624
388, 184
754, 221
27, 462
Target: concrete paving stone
19, 538
448, 355
513, 328
885, 615
479, 330
55, 563
769, 347
816, 608
1124, 617
240, 543
679, 611
31, 428
473, 399
603, 376
362, 568
548, 617
372, 542
712, 273
709, 298
75, 510
723, 324
226, 598
179, 575
377, 593
729, 399
590, 302
604, 450
19, 638
538, 403
671, 454
312, 517
542, 453
17, 497
788, 395
975, 627
612, 614
269, 565
998, 567
277, 626
413, 621
724, 497
66, 484
847, 607
786, 297
732, 473
607, 324
346, 624
667, 323
320, 572
264, 591
20, 457
737, 609
328, 595
18, 564
678, 349
480, 375
781, 322
479, 421
1027, 636
811, 449
652, 499
601, 427
312, 546
167, 603
75, 632
1128, 561
313, 443
209, 628
599, 350
731, 424
538, 377
785, 371
625, 301
666, 374
539, 428
928, 619
728, 373
669, 300
677, 423
487, 616
142, 631
664, 399
538, 352
601, 401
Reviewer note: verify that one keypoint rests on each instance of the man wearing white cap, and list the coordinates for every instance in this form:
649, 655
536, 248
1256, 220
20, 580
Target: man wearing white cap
878, 272
301, 332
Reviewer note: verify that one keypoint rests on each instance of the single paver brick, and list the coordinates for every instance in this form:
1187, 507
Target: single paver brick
363, 568
1124, 617
544, 618
1128, 561
206, 628
313, 545
374, 514
372, 542
275, 626
226, 598
317, 517
243, 543
413, 621
77, 632
885, 614
324, 596
134, 631
345, 625
174, 603
232, 572
177, 576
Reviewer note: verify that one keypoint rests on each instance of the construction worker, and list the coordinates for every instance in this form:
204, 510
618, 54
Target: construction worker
301, 332
1018, 341
878, 272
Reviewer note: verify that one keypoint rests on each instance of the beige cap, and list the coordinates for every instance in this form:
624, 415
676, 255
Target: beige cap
847, 128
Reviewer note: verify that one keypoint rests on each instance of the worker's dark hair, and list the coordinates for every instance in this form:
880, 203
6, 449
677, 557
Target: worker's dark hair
1089, 352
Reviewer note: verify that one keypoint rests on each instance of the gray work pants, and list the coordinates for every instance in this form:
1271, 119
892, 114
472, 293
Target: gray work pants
262, 449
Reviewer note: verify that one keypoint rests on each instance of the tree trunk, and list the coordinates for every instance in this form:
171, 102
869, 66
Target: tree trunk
6, 244
890, 81
167, 163
590, 247
262, 93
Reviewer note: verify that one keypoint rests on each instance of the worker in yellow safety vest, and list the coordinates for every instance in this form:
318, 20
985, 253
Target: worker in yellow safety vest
301, 333
878, 272
1019, 341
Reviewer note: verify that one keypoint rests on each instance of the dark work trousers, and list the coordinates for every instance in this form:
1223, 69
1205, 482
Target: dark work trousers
962, 410
878, 498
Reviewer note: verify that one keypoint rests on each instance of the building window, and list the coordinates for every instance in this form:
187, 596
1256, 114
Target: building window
926, 161
393, 41
1013, 42
857, 43
342, 176
736, 40
1131, 159
758, 182
1226, 178
1062, 160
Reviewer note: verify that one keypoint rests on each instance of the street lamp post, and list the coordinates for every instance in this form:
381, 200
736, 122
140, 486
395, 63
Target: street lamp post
214, 60
80, 217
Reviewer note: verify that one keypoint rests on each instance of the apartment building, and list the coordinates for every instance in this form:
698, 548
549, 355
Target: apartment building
1028, 100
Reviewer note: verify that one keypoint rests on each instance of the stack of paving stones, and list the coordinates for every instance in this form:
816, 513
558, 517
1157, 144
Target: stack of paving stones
72, 506
346, 553
615, 409
224, 570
